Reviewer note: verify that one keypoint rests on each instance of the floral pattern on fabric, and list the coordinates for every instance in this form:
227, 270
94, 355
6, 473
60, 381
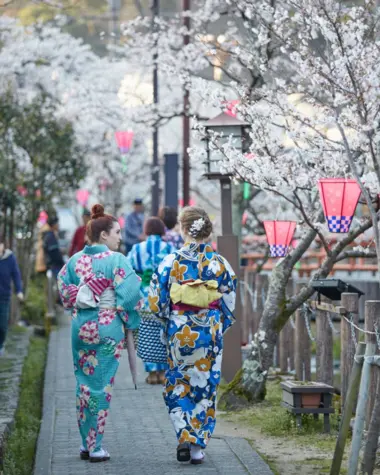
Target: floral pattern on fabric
98, 333
195, 340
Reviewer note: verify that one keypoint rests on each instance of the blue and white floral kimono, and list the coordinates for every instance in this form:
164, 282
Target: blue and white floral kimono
145, 258
195, 338
102, 290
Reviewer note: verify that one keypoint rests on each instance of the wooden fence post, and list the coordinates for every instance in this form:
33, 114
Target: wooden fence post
324, 341
286, 339
371, 319
352, 394
350, 301
302, 345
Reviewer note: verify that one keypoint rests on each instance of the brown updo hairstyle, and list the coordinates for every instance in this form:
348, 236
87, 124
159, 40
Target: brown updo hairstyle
154, 227
99, 222
188, 216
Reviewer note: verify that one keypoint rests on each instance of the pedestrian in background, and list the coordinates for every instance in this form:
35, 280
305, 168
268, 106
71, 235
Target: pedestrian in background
134, 224
145, 258
53, 256
79, 238
169, 216
9, 271
194, 289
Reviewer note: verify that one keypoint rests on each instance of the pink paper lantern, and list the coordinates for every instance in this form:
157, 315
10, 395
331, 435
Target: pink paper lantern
82, 197
43, 217
22, 191
279, 236
38, 193
230, 107
121, 221
124, 140
339, 198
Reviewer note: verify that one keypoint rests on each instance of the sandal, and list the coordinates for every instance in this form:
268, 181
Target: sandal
99, 456
197, 461
151, 378
161, 377
183, 453
84, 454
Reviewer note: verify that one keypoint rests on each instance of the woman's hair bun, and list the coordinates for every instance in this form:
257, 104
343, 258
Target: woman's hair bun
97, 211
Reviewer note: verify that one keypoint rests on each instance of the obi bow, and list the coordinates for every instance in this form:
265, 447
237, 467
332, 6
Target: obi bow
90, 289
198, 293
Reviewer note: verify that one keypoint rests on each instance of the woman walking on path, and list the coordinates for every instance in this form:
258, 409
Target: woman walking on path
145, 258
194, 290
9, 272
102, 290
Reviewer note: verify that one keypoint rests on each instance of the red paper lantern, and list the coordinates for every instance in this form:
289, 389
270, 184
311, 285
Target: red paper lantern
121, 221
339, 198
191, 202
279, 236
124, 140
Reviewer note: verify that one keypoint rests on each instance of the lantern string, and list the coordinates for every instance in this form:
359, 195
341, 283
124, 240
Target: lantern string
251, 294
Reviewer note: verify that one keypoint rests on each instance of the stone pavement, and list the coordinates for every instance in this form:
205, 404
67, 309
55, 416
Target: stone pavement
138, 434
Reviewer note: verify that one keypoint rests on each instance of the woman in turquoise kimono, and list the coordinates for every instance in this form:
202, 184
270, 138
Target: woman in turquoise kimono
102, 291
194, 290
145, 257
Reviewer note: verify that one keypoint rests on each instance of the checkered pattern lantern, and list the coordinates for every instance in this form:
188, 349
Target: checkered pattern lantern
339, 198
124, 140
279, 235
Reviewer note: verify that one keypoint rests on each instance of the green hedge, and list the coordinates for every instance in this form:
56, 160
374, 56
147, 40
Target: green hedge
34, 308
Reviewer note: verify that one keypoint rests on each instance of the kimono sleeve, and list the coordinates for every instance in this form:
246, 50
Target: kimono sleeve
66, 287
159, 290
127, 291
228, 290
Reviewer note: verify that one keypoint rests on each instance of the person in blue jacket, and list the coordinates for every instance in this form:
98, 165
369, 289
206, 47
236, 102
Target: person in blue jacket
9, 271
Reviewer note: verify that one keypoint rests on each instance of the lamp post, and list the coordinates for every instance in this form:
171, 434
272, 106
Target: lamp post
228, 243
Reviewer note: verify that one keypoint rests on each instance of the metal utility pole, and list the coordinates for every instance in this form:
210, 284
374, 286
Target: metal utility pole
155, 165
114, 7
186, 118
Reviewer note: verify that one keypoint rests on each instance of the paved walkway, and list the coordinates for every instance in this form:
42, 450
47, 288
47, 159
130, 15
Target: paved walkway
138, 434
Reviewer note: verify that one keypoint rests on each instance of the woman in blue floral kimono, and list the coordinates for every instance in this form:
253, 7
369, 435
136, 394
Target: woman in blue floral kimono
102, 290
145, 257
194, 289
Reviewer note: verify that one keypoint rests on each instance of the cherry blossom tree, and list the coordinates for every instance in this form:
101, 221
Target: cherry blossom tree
306, 75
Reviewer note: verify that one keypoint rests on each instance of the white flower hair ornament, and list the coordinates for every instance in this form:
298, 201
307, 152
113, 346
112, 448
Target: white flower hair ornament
196, 227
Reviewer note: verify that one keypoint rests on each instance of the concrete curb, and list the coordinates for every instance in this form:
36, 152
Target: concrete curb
45, 436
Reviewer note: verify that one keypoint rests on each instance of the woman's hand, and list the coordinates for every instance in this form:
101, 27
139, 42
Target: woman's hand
20, 296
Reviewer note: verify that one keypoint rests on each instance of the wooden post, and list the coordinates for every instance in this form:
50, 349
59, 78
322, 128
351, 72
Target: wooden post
244, 290
324, 340
371, 319
350, 302
232, 356
302, 345
369, 456
357, 432
352, 394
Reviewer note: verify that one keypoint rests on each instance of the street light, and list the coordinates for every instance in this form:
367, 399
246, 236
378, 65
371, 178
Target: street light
226, 125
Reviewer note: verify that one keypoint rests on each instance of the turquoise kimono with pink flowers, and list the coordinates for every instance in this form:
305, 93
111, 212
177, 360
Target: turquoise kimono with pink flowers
102, 291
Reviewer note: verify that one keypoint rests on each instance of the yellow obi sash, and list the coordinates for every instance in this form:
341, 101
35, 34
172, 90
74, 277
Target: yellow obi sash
198, 293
